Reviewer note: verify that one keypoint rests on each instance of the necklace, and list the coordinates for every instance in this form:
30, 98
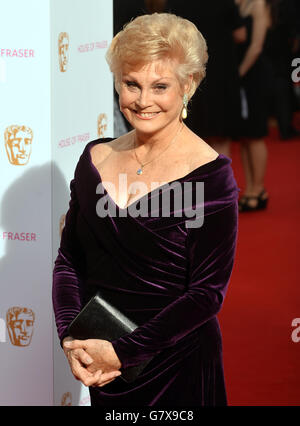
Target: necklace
142, 165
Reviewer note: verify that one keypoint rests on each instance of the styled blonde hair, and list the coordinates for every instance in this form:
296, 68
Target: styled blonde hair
160, 36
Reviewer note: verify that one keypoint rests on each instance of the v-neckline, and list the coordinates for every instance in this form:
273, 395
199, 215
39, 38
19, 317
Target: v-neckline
148, 194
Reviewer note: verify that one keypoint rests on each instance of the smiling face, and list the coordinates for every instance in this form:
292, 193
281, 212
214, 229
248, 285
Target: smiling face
151, 96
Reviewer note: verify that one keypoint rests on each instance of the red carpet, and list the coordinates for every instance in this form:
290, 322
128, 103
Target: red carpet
261, 361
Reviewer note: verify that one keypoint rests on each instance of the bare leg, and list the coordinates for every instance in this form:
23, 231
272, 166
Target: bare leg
255, 169
247, 166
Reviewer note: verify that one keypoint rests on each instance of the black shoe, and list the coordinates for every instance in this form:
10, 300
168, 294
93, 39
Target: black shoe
243, 200
261, 204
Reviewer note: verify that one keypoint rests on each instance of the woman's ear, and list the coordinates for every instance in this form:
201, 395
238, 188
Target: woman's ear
188, 85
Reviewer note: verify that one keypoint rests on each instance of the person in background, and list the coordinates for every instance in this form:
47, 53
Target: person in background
257, 17
279, 53
215, 109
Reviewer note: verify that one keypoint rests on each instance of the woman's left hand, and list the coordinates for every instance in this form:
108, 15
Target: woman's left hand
103, 355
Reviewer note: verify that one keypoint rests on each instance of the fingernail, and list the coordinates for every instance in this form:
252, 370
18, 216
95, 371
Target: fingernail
88, 360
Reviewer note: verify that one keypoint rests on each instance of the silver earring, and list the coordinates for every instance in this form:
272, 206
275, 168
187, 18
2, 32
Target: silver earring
185, 104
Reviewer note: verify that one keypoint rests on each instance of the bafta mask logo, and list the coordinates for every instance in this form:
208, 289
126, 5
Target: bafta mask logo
102, 125
18, 144
66, 399
20, 323
63, 51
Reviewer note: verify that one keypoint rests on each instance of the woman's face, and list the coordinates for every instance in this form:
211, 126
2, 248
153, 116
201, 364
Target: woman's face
151, 96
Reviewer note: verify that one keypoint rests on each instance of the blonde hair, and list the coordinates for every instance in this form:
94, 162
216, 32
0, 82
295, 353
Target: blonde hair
160, 36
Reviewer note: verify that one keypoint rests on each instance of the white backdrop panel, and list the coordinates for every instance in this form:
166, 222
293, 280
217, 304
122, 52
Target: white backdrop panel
82, 93
25, 199
47, 116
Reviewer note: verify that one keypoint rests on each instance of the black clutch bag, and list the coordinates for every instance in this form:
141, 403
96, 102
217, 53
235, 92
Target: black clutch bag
100, 320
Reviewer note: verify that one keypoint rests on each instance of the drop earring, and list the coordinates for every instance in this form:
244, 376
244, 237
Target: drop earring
185, 104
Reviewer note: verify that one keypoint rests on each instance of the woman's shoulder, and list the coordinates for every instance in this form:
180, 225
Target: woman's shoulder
100, 149
199, 153
96, 151
86, 158
215, 171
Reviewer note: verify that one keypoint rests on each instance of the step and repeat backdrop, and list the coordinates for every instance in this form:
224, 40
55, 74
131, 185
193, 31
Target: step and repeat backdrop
56, 95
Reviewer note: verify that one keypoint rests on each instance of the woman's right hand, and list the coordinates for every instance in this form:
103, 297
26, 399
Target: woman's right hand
79, 362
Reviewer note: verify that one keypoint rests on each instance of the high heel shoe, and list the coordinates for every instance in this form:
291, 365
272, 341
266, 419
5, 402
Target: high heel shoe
243, 199
261, 203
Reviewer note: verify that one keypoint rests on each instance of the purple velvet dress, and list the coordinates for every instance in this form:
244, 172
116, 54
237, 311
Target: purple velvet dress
168, 278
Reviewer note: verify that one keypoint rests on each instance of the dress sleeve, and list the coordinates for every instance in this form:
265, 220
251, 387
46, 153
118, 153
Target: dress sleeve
67, 283
210, 250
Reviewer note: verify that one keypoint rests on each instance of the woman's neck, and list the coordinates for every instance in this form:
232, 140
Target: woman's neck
157, 141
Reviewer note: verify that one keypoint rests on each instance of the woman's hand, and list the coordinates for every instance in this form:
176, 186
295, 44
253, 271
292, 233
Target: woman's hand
93, 362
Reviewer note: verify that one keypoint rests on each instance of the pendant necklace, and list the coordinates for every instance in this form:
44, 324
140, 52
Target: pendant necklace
142, 165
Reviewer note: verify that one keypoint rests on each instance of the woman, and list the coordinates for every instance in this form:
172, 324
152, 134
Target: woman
257, 19
165, 275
